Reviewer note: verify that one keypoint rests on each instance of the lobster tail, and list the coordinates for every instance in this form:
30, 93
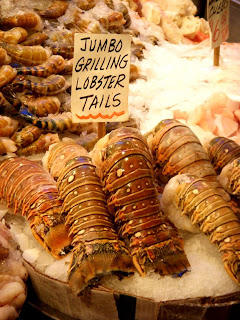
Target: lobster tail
97, 250
177, 150
216, 219
27, 188
92, 261
127, 174
222, 151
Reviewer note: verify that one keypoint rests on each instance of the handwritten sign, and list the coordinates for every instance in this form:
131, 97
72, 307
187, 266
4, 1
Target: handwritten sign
218, 18
100, 77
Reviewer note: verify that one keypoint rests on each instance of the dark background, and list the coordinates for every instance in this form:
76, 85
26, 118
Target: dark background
234, 21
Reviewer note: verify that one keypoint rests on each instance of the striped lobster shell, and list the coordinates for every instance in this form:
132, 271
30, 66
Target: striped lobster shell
224, 155
29, 190
222, 151
177, 150
59, 154
207, 208
126, 171
97, 249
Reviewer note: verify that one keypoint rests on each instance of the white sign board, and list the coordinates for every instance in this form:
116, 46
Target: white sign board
218, 18
100, 78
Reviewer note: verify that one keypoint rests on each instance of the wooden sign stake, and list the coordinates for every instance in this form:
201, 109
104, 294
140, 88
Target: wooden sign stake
216, 56
101, 130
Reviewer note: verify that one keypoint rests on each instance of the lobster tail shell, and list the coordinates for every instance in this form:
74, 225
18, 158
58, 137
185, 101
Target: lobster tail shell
222, 151
127, 175
177, 150
97, 249
91, 262
27, 188
214, 216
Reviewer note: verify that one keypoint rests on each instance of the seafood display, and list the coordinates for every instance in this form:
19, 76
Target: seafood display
13, 276
126, 171
105, 210
29, 190
37, 47
197, 199
97, 250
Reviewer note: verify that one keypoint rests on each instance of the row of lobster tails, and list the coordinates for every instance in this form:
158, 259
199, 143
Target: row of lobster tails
194, 188
126, 170
97, 249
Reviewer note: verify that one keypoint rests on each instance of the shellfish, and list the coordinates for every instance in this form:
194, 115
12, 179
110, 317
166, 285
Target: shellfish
97, 250
27, 55
206, 208
41, 106
26, 136
40, 145
7, 74
4, 57
27, 20
53, 65
176, 150
7, 126
126, 171
51, 85
60, 122
27, 188
56, 10
37, 38
222, 151
14, 35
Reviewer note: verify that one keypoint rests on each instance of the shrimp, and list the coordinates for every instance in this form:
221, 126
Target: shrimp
4, 57
34, 39
85, 4
53, 65
40, 145
26, 136
14, 35
56, 10
41, 106
51, 85
7, 74
26, 20
27, 55
7, 145
68, 67
66, 51
113, 22
7, 126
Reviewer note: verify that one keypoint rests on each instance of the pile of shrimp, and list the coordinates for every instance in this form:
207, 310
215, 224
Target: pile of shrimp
13, 276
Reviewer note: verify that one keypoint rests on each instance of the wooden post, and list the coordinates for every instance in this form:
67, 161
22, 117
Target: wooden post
216, 56
101, 130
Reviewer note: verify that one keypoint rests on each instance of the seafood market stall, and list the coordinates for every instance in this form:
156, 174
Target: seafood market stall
144, 221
